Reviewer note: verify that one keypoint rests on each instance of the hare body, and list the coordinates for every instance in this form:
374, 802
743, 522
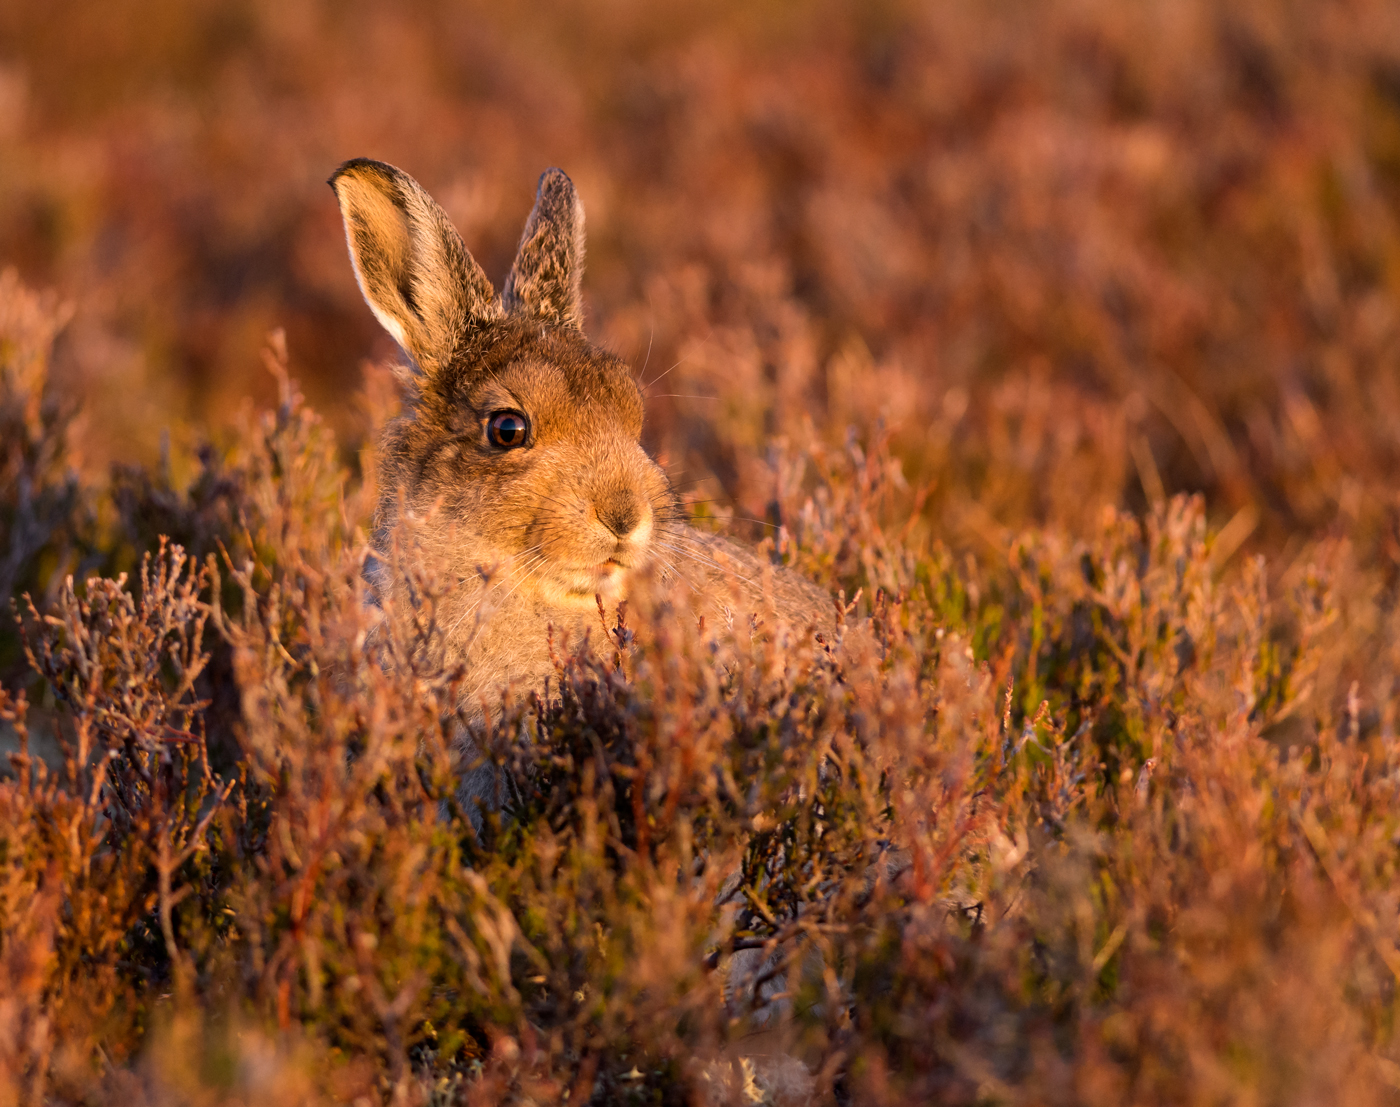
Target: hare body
516, 469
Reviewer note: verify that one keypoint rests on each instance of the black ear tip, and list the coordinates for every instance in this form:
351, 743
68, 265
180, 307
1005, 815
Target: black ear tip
554, 180
347, 167
366, 167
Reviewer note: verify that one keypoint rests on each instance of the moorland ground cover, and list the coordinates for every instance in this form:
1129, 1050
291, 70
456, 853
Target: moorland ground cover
1062, 340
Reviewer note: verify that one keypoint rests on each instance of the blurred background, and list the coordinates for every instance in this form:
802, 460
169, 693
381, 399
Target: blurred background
1066, 253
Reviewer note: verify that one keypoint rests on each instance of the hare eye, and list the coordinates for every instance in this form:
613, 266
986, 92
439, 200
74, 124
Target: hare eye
507, 429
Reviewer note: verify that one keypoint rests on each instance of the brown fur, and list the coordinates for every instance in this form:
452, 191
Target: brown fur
533, 536
545, 281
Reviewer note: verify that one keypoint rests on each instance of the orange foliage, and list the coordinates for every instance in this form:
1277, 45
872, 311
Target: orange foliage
1064, 336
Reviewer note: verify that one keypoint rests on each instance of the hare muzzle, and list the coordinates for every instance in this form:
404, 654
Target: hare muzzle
595, 538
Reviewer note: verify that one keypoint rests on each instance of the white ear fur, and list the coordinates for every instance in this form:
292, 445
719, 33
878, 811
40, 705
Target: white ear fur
387, 321
415, 273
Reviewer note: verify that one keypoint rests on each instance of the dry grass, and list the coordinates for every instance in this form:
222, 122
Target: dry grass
1063, 339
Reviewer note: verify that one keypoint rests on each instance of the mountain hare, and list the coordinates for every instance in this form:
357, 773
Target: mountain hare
516, 468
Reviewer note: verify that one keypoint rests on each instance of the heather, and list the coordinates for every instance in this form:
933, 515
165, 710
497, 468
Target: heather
1060, 342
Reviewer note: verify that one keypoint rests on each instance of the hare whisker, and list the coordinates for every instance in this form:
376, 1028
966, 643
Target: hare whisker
651, 337
676, 569
680, 362
533, 564
469, 609
477, 606
702, 559
538, 565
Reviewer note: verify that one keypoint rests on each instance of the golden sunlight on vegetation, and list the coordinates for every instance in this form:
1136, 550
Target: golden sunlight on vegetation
1062, 338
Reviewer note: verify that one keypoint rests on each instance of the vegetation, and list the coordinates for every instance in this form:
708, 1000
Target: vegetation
1062, 341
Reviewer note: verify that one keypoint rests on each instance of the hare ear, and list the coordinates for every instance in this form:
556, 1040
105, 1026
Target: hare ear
544, 281
416, 276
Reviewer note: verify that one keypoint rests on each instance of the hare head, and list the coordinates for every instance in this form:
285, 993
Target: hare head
519, 446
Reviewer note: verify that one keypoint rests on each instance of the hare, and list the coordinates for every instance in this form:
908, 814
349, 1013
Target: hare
517, 467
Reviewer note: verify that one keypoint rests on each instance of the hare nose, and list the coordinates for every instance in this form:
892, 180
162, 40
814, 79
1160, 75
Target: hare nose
620, 511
